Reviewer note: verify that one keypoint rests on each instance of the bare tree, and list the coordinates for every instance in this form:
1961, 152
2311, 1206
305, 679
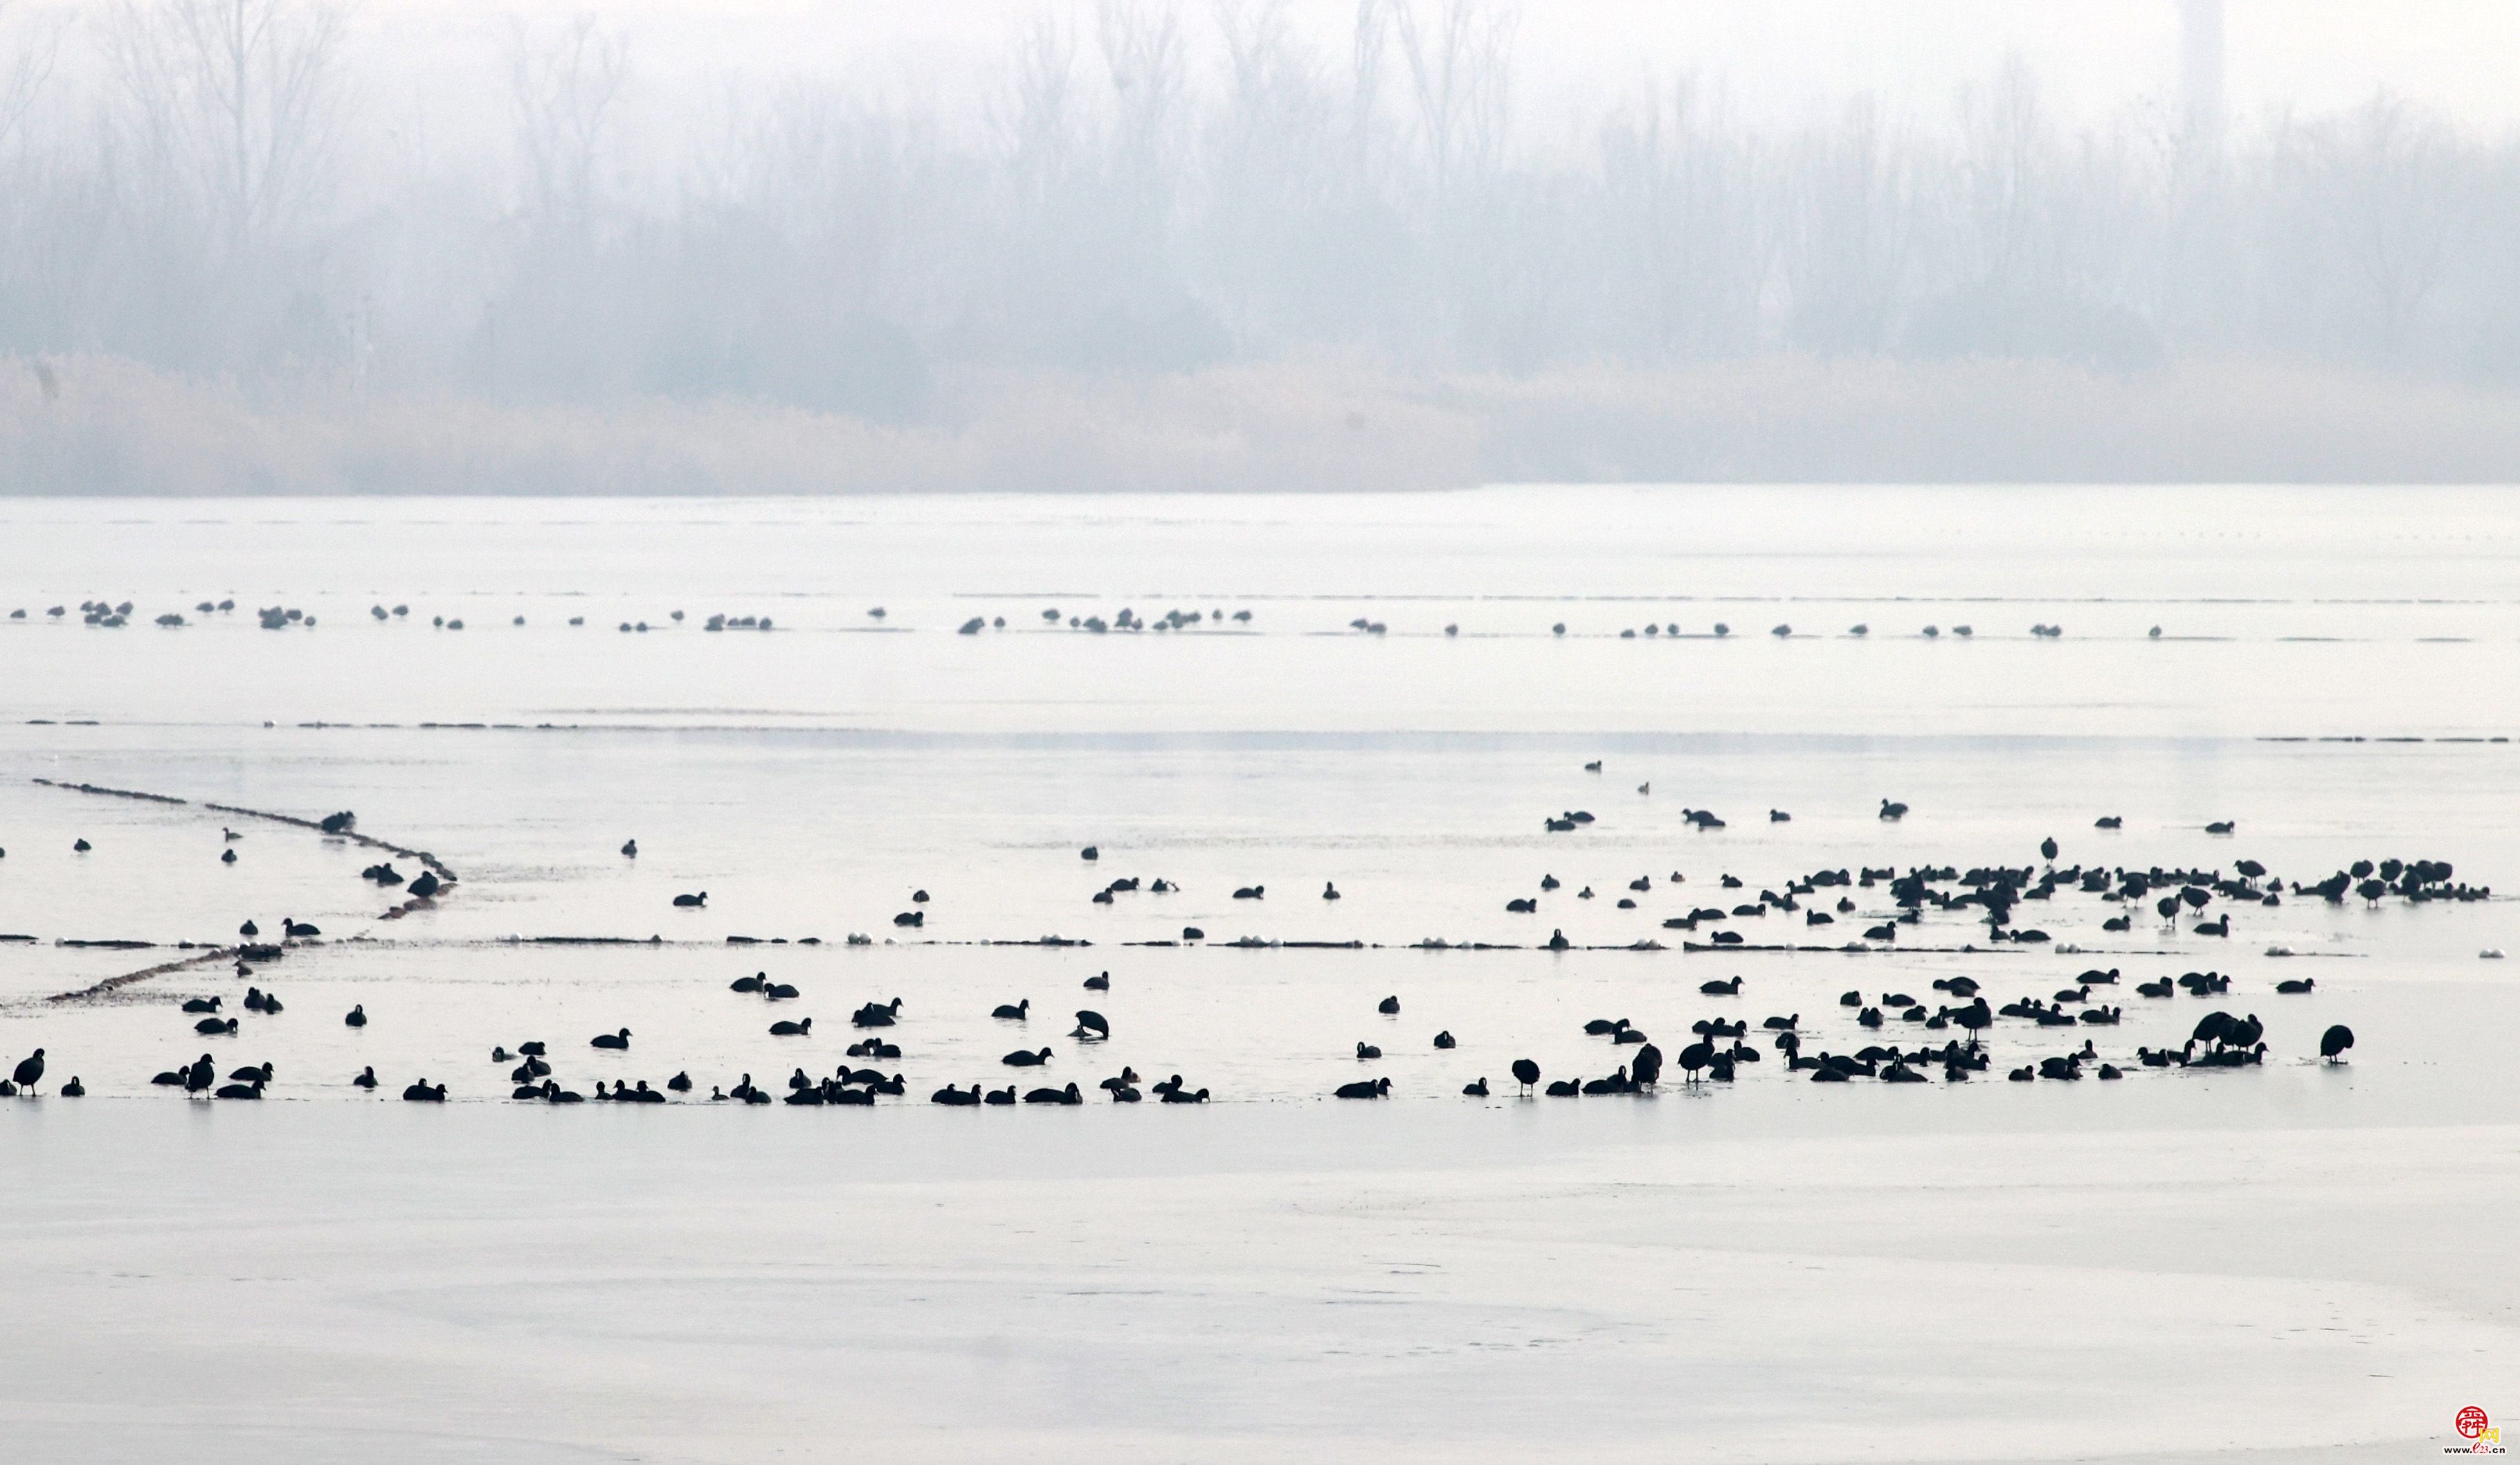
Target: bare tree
240, 97
1459, 62
24, 67
564, 91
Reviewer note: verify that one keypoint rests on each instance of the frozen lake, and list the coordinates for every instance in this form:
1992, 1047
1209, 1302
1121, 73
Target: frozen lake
2283, 1261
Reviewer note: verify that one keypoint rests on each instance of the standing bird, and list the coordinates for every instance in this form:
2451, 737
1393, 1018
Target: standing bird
2048, 847
2334, 1041
1527, 1073
30, 1072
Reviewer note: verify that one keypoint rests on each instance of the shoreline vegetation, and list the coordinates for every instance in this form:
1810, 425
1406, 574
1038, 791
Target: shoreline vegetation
107, 426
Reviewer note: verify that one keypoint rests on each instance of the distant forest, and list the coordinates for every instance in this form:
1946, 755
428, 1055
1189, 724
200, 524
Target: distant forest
1182, 247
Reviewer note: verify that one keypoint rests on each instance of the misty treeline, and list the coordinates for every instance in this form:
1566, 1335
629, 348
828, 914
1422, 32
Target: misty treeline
1186, 209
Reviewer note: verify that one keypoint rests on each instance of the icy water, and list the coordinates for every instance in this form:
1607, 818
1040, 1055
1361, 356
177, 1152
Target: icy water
2182, 1264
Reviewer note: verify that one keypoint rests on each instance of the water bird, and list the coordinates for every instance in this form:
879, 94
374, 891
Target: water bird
1014, 1012
366, 1079
1892, 812
423, 1092
1728, 987
74, 1089
621, 1039
968, 1098
751, 983
250, 1089
1250, 893
1329, 891
201, 1004
29, 1071
296, 929
2334, 1041
2222, 826
1388, 1006
1022, 1058
1444, 1040
1527, 1073
227, 856
801, 1028
213, 1027
1099, 982
689, 902
1779, 816
82, 847
1477, 1089
1366, 1089
2108, 821
1067, 1095
630, 847
1091, 1025
680, 1084
2295, 987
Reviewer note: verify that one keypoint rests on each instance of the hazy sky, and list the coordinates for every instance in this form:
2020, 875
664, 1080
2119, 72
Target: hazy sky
1772, 59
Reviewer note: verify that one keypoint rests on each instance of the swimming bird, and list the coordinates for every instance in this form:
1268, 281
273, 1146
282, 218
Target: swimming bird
213, 1027
1067, 1095
689, 902
296, 929
802, 1027
2108, 821
680, 1084
248, 930
82, 847
1099, 983
1892, 812
1444, 1040
1014, 1012
1730, 987
226, 857
1024, 1058
630, 847
2222, 826
1477, 1089
1388, 1006
366, 1079
621, 1039
1091, 1025
2295, 987
1367, 1051
1366, 1089
423, 1092
1527, 1073
959, 1097
357, 1017
74, 1089
247, 1091
201, 1004
1329, 891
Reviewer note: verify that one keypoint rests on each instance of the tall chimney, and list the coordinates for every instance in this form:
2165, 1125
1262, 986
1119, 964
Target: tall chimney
2200, 72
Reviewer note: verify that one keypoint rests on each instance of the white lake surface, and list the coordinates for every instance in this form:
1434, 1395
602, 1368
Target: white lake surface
2292, 1262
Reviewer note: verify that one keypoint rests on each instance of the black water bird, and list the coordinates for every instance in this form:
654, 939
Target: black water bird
692, 901
366, 1079
1091, 1025
423, 1092
357, 1016
2334, 1041
1366, 1089
801, 1028
29, 1071
1527, 1073
1014, 1012
630, 847
1025, 1058
1388, 1006
1099, 982
1892, 812
1728, 987
621, 1039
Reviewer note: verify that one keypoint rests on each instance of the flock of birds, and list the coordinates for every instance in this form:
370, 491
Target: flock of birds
1716, 1051
97, 612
